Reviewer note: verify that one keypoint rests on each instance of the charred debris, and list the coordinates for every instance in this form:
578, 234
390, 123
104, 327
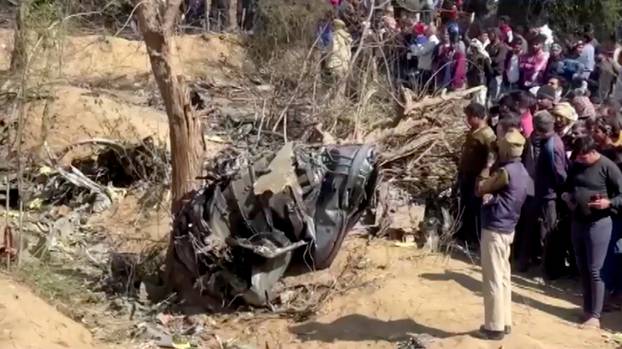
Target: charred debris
270, 206
241, 232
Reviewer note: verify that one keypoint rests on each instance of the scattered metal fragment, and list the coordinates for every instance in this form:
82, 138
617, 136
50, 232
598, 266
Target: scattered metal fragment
417, 341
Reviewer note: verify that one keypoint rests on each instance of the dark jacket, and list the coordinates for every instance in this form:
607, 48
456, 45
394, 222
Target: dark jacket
479, 71
502, 212
554, 67
545, 161
584, 181
614, 154
498, 53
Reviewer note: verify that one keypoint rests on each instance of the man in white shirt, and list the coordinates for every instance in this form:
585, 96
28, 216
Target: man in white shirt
512, 66
548, 34
425, 55
588, 56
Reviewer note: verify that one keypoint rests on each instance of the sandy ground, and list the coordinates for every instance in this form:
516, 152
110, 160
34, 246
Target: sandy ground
76, 114
130, 231
27, 322
6, 47
113, 59
413, 293
400, 291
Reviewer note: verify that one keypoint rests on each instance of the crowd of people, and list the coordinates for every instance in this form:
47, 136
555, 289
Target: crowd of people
445, 47
540, 178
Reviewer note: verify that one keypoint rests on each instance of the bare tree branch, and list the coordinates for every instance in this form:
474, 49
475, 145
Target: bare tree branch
171, 14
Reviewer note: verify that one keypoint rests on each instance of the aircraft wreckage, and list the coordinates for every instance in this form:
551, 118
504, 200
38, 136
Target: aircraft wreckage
239, 234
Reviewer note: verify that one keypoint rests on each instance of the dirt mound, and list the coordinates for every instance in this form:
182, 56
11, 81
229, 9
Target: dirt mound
117, 62
27, 322
75, 114
113, 61
95, 58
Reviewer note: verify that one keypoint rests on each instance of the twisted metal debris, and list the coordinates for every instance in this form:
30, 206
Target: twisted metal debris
239, 234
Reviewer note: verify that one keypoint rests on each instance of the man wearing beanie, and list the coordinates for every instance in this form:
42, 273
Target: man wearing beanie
546, 97
503, 194
545, 161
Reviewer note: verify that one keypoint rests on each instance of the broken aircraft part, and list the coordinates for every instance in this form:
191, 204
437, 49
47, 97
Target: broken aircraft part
238, 235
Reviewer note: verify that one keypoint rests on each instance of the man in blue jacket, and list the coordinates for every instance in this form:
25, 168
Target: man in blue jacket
503, 193
545, 160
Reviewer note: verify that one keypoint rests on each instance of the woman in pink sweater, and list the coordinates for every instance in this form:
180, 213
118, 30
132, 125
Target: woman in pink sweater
525, 103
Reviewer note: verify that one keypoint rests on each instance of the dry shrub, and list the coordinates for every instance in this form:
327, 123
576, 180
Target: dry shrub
284, 33
98, 16
284, 49
283, 24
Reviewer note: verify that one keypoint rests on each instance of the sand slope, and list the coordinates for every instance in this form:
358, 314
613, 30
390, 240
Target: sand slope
106, 60
75, 114
27, 322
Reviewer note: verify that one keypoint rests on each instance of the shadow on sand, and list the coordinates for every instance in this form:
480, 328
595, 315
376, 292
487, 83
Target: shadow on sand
358, 327
610, 321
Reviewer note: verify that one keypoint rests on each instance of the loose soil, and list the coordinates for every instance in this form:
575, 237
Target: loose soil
115, 61
74, 114
27, 322
6, 47
398, 291
406, 291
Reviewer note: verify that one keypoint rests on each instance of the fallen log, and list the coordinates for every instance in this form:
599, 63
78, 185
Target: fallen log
410, 148
410, 107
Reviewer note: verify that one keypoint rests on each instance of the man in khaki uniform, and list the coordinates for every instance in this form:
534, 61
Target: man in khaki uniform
476, 156
503, 193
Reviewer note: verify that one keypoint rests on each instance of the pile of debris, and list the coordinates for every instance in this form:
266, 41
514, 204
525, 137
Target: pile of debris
262, 212
268, 204
421, 152
418, 166
93, 179
238, 235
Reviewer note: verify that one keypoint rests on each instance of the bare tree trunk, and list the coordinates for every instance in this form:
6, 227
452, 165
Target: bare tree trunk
20, 38
208, 11
232, 14
186, 137
187, 144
